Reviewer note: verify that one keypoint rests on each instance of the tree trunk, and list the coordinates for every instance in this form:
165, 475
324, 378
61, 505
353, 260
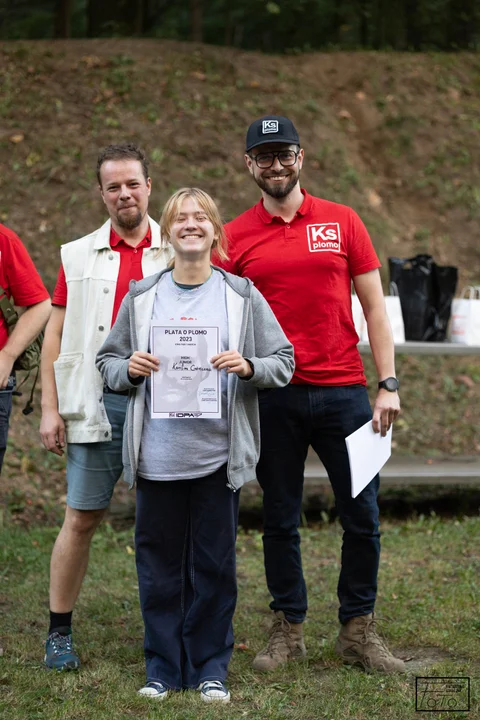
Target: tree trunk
337, 21
380, 24
412, 31
228, 35
105, 15
463, 24
139, 17
63, 13
363, 22
196, 9
92, 23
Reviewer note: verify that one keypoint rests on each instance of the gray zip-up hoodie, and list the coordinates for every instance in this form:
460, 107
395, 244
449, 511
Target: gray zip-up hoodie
253, 330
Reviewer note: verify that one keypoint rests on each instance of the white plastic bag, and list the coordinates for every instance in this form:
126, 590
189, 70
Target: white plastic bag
394, 313
465, 319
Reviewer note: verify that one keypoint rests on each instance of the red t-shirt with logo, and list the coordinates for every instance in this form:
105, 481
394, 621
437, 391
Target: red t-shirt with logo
130, 269
304, 269
18, 276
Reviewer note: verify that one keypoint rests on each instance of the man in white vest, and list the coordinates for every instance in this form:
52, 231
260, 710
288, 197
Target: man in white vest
79, 414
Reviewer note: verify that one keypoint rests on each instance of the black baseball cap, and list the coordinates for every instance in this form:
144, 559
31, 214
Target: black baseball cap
271, 129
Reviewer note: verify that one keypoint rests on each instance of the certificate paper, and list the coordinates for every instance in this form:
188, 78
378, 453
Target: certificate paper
368, 452
186, 385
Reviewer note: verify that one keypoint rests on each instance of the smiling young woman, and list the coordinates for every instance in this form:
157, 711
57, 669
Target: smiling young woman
192, 225
188, 466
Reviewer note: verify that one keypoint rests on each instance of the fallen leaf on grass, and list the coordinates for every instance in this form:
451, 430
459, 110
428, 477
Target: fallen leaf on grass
91, 61
374, 199
241, 646
130, 550
17, 138
466, 380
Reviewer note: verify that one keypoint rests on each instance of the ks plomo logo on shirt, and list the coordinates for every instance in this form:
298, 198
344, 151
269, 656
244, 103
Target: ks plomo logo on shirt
324, 237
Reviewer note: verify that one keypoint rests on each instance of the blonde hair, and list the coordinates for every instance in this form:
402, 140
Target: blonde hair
171, 211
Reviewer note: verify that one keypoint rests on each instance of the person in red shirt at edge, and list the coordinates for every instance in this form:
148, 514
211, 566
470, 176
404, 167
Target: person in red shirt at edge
302, 253
77, 410
21, 283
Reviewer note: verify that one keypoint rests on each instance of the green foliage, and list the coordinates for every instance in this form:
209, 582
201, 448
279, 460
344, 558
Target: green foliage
291, 26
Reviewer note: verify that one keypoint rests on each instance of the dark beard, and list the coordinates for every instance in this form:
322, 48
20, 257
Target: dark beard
278, 192
129, 223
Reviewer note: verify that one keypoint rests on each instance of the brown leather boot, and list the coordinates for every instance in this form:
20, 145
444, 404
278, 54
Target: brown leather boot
285, 643
358, 643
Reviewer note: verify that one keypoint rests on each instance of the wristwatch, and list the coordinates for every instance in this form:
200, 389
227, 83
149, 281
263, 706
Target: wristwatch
391, 384
252, 366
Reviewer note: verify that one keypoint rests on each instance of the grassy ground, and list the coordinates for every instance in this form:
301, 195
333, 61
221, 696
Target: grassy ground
429, 594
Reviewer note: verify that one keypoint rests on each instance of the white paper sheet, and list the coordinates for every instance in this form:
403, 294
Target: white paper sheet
186, 385
368, 452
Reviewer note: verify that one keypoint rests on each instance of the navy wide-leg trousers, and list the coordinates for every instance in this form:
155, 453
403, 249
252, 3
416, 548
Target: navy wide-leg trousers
185, 553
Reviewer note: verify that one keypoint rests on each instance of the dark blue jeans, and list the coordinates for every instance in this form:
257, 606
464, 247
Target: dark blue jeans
292, 418
185, 551
5, 411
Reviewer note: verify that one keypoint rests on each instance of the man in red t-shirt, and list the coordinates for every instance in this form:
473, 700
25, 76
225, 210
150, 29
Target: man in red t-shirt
21, 283
303, 254
77, 410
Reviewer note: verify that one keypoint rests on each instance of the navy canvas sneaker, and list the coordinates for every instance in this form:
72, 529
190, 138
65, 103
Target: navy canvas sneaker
59, 652
214, 691
154, 690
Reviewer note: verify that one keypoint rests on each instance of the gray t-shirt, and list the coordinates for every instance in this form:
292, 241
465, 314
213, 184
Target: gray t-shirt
184, 449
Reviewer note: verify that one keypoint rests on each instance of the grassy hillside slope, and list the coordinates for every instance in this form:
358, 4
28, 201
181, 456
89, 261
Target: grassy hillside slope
395, 136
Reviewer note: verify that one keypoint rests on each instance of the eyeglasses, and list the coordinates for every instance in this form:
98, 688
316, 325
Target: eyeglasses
286, 158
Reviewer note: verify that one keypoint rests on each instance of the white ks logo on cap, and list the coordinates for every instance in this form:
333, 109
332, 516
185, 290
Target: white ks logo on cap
269, 126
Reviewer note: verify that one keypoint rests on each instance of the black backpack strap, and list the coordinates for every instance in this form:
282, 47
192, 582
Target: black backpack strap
8, 311
29, 404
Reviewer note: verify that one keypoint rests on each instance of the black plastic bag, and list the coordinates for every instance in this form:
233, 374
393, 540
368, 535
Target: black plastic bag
426, 292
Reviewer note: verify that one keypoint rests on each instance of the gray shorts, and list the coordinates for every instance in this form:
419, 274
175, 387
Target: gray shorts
94, 468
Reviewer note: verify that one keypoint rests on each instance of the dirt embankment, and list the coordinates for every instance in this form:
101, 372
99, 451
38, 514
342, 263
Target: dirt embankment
395, 136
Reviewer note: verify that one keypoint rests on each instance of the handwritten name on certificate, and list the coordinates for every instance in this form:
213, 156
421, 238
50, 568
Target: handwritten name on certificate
186, 385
